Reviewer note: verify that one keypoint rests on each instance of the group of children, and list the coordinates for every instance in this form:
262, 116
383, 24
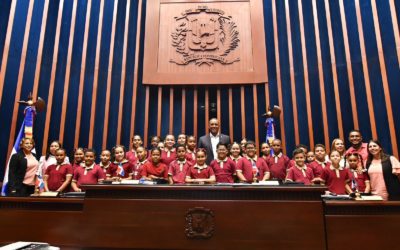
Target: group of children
181, 162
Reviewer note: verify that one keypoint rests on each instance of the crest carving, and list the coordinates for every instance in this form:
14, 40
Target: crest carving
204, 36
199, 223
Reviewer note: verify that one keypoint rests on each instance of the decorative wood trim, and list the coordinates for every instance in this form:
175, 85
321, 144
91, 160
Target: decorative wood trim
82, 75
159, 111
40, 50
171, 110
348, 62
67, 72
255, 114
109, 76
292, 78
334, 73
20, 76
231, 134
278, 75
266, 92
183, 127
366, 71
306, 79
136, 70
385, 81
321, 77
395, 28
123, 72
52, 78
6, 49
243, 112
146, 117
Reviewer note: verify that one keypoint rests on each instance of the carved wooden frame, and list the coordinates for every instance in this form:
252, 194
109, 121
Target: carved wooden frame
152, 75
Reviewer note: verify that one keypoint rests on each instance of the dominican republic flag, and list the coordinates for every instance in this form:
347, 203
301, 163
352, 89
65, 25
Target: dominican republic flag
40, 183
270, 135
25, 131
120, 170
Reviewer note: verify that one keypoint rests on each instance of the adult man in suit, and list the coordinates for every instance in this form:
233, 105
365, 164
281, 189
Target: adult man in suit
209, 141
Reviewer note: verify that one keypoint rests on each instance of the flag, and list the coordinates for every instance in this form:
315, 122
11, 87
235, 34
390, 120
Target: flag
270, 134
39, 183
120, 170
25, 131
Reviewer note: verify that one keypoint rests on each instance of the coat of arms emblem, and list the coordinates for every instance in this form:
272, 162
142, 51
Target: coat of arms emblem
199, 223
204, 36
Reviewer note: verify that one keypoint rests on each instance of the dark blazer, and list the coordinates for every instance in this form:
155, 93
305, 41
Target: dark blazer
16, 173
205, 142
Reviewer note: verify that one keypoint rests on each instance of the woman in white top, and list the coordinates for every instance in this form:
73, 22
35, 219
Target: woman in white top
49, 158
338, 145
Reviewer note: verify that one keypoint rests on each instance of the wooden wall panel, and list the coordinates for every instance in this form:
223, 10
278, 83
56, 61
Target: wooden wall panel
194, 108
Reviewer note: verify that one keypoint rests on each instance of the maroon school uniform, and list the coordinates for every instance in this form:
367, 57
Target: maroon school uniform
105, 168
190, 156
57, 174
168, 156
178, 170
114, 169
88, 175
245, 165
336, 179
161, 170
131, 156
278, 165
357, 181
137, 169
200, 172
235, 160
318, 167
223, 170
298, 174
75, 165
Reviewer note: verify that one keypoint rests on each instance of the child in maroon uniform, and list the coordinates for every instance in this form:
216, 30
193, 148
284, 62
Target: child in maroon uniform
223, 167
155, 170
320, 162
310, 157
182, 138
132, 154
265, 151
300, 172
58, 177
252, 168
178, 169
234, 151
141, 160
278, 162
191, 149
89, 174
79, 154
335, 177
168, 155
105, 160
200, 172
359, 181
120, 167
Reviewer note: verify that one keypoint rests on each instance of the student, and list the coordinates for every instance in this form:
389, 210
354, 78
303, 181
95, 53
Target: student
359, 181
300, 172
191, 149
310, 157
120, 168
141, 160
168, 155
78, 160
182, 138
131, 155
320, 162
49, 158
161, 145
278, 162
292, 162
234, 151
58, 176
105, 160
338, 145
154, 140
177, 169
223, 167
200, 172
155, 170
243, 146
336, 178
383, 171
89, 174
265, 151
252, 168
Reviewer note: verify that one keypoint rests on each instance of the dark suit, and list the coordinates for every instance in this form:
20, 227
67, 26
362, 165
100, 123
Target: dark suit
205, 142
16, 175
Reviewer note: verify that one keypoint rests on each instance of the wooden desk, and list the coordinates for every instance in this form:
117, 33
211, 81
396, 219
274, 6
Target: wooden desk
362, 224
171, 217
